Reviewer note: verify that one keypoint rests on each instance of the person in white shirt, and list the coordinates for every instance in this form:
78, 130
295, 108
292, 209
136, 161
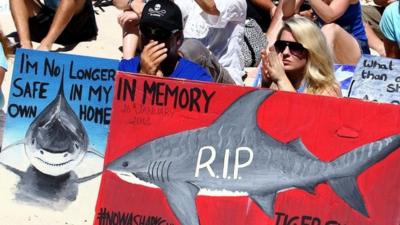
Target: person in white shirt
217, 25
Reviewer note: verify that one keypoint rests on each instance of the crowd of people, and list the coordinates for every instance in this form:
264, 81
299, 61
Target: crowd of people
294, 43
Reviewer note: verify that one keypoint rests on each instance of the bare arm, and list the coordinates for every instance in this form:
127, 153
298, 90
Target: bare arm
329, 12
121, 4
2, 73
136, 5
275, 26
129, 21
64, 13
373, 40
383, 3
291, 7
208, 6
266, 5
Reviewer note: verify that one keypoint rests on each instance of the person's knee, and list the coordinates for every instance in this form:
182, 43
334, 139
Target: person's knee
330, 32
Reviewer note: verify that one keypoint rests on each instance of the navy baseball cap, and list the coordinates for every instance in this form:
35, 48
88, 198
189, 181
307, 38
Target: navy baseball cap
163, 14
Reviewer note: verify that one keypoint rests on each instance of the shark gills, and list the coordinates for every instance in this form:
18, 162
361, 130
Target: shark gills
234, 154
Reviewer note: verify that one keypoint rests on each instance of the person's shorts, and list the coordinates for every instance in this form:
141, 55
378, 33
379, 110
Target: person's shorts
82, 26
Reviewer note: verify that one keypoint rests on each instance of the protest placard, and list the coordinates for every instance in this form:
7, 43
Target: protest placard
57, 121
182, 152
377, 79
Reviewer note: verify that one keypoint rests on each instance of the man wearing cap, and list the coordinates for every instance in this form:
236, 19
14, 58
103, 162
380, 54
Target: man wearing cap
161, 36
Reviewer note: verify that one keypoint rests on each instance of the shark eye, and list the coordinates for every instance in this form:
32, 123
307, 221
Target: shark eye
125, 164
33, 141
76, 146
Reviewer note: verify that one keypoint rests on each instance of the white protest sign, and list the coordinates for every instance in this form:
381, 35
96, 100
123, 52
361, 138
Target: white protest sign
377, 79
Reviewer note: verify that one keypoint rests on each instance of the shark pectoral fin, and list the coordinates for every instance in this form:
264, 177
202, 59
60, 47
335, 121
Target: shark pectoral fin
12, 169
265, 202
12, 145
299, 147
181, 198
93, 151
87, 178
347, 189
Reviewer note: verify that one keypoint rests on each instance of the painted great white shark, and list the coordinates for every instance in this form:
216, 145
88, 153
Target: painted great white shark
234, 154
56, 140
57, 145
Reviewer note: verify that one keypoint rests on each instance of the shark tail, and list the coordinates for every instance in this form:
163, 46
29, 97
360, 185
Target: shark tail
351, 164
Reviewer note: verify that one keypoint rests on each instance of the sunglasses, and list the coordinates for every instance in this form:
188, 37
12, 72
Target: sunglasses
156, 33
295, 48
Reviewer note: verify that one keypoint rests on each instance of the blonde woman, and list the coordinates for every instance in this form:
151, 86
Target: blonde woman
300, 60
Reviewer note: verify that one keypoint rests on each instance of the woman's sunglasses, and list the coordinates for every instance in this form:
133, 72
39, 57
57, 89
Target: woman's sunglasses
295, 48
155, 33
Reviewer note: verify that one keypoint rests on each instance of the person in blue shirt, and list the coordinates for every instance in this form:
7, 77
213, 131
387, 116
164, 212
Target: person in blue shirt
161, 35
390, 26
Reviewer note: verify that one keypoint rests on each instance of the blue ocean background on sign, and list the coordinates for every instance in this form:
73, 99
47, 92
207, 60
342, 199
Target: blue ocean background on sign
16, 128
344, 75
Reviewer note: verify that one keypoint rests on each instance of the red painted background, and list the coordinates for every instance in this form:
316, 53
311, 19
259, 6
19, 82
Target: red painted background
327, 126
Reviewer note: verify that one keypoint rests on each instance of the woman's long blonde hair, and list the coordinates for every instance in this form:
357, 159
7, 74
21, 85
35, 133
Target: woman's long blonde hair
319, 72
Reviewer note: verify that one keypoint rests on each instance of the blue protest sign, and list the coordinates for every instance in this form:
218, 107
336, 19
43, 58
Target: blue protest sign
57, 122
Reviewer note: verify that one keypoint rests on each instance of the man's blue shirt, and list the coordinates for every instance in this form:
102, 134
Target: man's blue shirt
184, 70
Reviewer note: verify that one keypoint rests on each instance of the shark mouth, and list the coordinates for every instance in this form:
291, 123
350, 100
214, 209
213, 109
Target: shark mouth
54, 164
133, 179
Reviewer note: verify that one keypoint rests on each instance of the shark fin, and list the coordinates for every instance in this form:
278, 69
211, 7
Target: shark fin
265, 202
94, 152
299, 147
181, 198
84, 179
252, 101
347, 189
12, 169
19, 142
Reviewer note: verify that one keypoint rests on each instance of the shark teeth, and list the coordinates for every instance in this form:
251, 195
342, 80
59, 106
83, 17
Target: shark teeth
54, 164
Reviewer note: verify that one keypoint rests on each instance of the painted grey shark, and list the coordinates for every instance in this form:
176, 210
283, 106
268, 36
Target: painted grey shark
56, 140
234, 154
